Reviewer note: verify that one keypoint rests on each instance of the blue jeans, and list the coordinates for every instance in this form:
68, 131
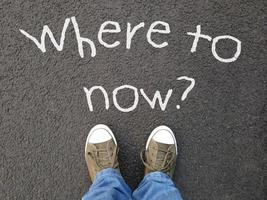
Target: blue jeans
109, 185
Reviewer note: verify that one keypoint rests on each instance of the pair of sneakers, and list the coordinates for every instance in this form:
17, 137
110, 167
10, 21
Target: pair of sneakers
101, 151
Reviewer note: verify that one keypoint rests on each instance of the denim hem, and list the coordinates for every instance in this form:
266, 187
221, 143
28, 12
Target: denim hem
106, 172
159, 177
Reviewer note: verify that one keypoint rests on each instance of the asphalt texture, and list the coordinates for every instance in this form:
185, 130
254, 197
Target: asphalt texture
45, 119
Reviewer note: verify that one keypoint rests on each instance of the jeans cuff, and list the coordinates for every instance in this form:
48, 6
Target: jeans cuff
107, 172
158, 177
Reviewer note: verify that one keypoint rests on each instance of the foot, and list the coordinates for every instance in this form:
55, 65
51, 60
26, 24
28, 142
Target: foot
101, 151
160, 152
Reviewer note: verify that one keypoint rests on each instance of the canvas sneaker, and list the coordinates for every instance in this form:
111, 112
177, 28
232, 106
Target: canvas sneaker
101, 150
161, 151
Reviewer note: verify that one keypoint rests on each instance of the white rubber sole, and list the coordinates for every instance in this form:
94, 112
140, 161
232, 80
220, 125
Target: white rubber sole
100, 126
158, 129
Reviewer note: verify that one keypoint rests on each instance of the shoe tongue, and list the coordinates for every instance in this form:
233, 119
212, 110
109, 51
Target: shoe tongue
104, 152
162, 149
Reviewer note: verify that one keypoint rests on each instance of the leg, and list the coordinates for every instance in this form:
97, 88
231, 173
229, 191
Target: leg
108, 185
159, 158
157, 186
101, 155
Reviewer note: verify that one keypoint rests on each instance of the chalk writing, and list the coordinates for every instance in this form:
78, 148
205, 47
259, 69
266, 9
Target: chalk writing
198, 35
114, 27
152, 103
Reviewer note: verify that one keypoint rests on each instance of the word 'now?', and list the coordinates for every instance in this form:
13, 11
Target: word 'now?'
151, 101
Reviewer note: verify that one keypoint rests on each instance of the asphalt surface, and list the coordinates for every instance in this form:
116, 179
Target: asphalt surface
44, 119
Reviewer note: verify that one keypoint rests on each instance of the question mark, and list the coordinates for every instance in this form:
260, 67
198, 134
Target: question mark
188, 89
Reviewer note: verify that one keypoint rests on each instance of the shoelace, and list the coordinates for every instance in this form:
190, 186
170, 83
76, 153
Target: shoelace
106, 161
164, 162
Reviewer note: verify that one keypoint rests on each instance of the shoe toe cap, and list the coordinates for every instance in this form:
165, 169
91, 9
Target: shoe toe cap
164, 136
98, 136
